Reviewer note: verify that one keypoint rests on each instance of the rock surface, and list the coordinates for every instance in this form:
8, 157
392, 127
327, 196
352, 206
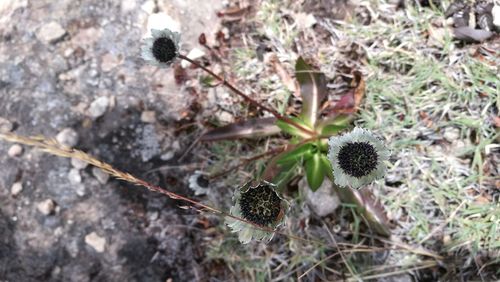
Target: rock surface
71, 70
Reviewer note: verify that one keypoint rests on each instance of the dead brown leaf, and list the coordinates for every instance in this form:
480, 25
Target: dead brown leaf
232, 14
496, 121
289, 82
350, 102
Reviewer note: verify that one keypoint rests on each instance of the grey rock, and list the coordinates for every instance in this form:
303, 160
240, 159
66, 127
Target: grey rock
50, 32
98, 107
67, 137
78, 164
74, 176
5, 125
80, 189
323, 201
100, 175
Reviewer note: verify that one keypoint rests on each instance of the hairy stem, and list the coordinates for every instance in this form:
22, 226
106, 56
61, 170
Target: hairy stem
248, 99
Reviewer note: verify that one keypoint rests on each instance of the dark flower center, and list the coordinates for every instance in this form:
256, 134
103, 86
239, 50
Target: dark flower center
260, 205
357, 158
164, 49
202, 181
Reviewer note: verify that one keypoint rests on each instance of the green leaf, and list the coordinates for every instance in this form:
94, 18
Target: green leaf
292, 130
341, 120
302, 152
312, 89
287, 172
332, 129
327, 166
315, 171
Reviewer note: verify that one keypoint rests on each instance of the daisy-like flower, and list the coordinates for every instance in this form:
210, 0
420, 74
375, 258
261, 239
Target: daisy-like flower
357, 158
161, 49
260, 205
198, 183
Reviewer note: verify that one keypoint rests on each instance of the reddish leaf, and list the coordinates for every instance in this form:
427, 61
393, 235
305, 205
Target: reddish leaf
233, 13
312, 89
496, 121
372, 211
350, 102
251, 128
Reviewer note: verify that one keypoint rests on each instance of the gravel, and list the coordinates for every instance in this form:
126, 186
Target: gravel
16, 189
98, 107
100, 175
50, 32
5, 125
96, 242
46, 207
68, 137
15, 151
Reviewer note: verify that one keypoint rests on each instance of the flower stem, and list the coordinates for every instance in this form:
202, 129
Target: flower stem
248, 99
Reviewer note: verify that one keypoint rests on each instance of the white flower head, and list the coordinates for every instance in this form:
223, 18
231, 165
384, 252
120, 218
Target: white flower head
260, 205
161, 49
198, 183
357, 158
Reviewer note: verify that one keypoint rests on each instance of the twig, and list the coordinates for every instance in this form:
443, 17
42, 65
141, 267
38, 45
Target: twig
250, 100
340, 252
246, 161
375, 276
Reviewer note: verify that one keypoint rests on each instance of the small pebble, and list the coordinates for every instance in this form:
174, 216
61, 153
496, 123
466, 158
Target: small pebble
98, 107
451, 134
78, 164
50, 32
74, 176
80, 189
100, 175
148, 117
167, 156
5, 125
95, 241
15, 151
224, 117
46, 207
16, 189
67, 137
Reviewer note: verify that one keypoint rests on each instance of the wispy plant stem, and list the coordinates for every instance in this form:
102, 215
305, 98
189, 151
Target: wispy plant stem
248, 99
